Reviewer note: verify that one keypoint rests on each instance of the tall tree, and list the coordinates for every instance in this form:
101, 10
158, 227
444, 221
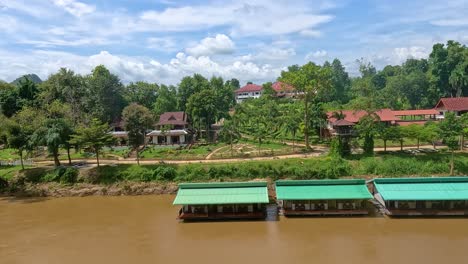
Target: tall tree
201, 107
166, 101
95, 137
310, 80
188, 86
137, 119
66, 87
450, 131
230, 133
8, 99
104, 98
142, 93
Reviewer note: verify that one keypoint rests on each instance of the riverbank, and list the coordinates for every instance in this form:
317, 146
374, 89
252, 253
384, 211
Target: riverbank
124, 179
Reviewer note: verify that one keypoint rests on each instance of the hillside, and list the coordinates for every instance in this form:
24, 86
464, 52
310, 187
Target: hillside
33, 77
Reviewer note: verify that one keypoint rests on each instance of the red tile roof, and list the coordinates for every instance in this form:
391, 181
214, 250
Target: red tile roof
354, 116
250, 88
453, 104
173, 118
282, 87
343, 122
415, 112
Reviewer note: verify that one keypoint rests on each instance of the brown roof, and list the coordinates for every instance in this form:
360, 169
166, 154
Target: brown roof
282, 87
415, 112
173, 118
343, 122
354, 116
250, 88
453, 104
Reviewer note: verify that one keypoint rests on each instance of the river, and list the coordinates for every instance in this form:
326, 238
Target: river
144, 229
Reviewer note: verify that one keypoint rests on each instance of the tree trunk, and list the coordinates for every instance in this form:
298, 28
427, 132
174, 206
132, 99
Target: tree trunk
385, 145
418, 143
401, 145
21, 159
452, 165
97, 157
56, 159
68, 154
462, 142
138, 156
230, 143
259, 144
294, 141
306, 123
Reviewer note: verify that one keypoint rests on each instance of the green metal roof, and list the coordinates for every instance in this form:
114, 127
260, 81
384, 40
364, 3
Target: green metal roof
412, 189
322, 190
222, 193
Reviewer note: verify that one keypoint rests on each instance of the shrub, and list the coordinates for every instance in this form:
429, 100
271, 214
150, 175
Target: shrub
69, 176
164, 173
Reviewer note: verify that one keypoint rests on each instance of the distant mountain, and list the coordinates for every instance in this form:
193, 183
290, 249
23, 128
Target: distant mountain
33, 77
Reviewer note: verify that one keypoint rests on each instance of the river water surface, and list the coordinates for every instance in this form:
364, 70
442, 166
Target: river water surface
144, 229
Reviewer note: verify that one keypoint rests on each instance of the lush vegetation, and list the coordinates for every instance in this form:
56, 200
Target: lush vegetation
388, 165
69, 110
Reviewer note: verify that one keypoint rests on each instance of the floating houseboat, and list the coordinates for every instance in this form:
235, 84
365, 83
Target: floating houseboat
323, 197
233, 200
423, 196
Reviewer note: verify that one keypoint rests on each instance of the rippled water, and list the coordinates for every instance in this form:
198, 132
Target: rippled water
144, 229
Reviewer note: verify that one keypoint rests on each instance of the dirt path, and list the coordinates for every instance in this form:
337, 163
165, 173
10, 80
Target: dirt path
214, 152
149, 162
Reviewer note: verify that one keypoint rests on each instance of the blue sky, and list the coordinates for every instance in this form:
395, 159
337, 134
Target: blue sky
162, 41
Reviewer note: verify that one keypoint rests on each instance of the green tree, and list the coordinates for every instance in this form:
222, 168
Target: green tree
311, 81
55, 133
166, 101
137, 120
8, 99
201, 107
387, 133
142, 93
17, 138
68, 88
104, 94
430, 133
368, 128
415, 132
95, 137
230, 133
291, 120
268, 90
188, 86
450, 131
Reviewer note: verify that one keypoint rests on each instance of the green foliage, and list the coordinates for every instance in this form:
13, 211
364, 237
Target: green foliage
166, 101
94, 137
141, 93
137, 120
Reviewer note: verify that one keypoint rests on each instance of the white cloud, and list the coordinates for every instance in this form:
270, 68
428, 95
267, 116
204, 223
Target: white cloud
319, 54
221, 44
161, 44
275, 54
75, 8
44, 63
244, 19
451, 22
310, 33
415, 52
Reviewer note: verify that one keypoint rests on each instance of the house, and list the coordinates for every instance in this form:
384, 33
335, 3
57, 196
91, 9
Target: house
248, 91
323, 197
119, 132
284, 90
418, 117
172, 128
222, 200
345, 126
423, 196
457, 105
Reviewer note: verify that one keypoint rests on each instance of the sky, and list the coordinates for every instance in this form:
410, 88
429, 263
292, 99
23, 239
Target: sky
164, 40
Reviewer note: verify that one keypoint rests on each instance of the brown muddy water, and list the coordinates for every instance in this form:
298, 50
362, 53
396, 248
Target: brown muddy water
143, 229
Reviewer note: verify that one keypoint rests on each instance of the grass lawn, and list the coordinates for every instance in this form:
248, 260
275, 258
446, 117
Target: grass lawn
174, 153
7, 172
8, 154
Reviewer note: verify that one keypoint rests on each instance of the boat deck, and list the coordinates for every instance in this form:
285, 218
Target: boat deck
216, 216
325, 212
426, 212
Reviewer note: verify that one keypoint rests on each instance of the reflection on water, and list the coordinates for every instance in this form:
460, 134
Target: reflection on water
144, 229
